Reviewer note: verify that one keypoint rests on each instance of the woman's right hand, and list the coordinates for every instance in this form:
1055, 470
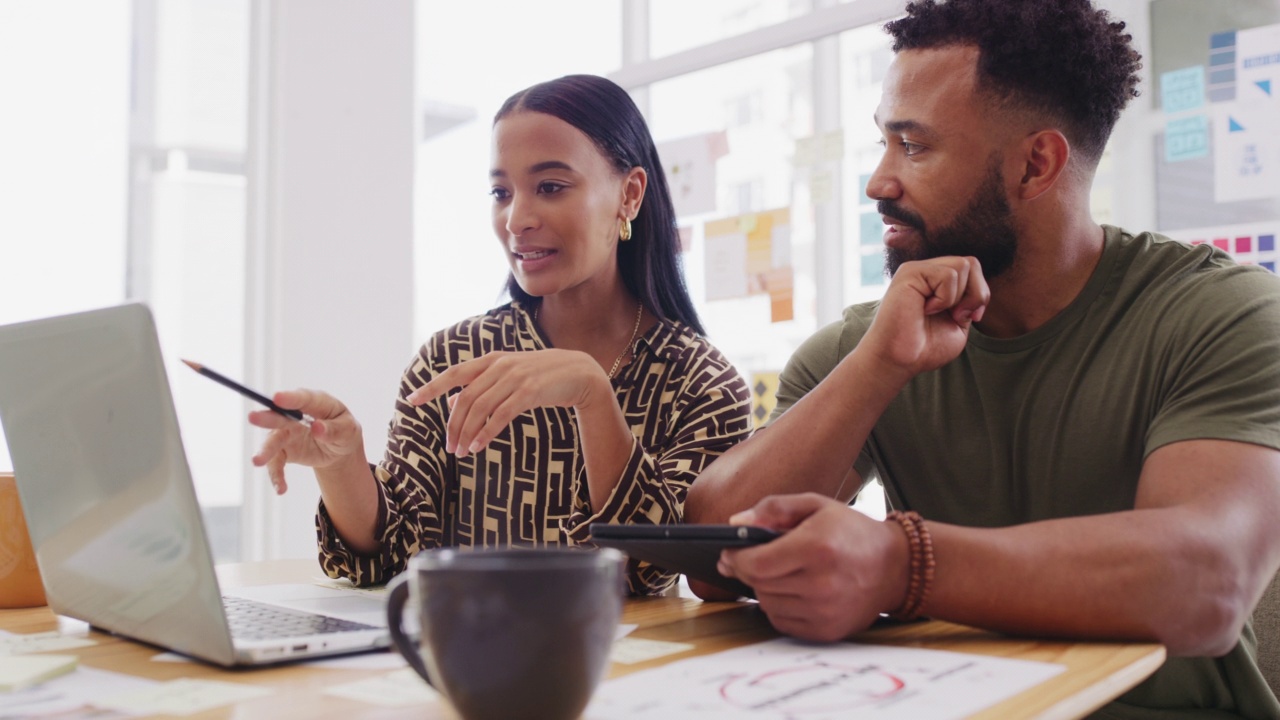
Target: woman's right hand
334, 435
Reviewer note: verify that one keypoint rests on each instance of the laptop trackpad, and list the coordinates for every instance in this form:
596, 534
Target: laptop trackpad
363, 606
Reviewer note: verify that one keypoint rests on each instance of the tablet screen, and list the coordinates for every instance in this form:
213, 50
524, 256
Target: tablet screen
692, 550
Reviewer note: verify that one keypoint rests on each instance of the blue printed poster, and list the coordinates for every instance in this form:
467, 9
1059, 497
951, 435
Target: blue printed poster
1246, 133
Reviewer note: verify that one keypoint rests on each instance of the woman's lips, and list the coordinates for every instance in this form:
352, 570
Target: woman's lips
532, 259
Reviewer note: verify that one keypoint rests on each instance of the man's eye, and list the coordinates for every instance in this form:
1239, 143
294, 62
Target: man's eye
910, 148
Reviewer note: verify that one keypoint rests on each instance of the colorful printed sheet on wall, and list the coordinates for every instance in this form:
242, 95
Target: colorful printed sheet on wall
751, 255
1249, 244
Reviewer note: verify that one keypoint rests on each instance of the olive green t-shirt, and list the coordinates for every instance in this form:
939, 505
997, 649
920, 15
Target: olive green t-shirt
1166, 342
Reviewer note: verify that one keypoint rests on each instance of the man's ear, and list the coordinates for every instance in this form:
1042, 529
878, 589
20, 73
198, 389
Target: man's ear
1045, 153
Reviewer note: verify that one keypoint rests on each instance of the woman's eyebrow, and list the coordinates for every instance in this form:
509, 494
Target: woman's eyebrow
536, 168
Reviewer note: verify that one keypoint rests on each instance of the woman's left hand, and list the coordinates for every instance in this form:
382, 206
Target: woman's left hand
499, 386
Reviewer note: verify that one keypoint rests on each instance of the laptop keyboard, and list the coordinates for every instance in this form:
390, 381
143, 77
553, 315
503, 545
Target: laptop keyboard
251, 620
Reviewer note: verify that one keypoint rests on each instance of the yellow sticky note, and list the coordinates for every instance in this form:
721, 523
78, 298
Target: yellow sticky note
631, 650
21, 671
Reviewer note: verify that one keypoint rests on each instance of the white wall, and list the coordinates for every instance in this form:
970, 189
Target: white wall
332, 145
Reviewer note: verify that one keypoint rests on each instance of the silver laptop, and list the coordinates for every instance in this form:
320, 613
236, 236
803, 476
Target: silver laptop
109, 501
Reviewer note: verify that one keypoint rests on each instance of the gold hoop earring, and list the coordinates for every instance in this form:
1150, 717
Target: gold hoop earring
625, 235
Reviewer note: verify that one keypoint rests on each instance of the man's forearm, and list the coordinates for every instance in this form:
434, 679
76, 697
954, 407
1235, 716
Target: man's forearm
1185, 568
810, 448
1118, 576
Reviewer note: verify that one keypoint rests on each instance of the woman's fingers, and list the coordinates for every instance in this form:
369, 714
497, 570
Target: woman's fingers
460, 375
473, 406
275, 471
497, 419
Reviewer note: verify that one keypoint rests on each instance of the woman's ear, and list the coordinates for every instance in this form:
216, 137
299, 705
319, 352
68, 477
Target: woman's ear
633, 187
1045, 153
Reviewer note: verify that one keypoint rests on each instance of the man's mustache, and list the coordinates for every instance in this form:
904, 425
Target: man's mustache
899, 215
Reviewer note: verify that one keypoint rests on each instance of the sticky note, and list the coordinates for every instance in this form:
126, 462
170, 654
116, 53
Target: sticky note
20, 671
1186, 138
631, 650
1182, 89
19, 644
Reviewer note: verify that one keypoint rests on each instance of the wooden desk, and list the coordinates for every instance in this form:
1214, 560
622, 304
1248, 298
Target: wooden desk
1096, 672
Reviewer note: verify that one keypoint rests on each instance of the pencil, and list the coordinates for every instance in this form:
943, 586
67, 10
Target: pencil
256, 397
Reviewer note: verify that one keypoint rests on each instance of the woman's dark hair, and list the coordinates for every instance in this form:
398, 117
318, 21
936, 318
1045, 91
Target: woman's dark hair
649, 263
1063, 58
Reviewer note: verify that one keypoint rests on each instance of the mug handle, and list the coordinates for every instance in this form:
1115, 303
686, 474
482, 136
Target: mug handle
397, 596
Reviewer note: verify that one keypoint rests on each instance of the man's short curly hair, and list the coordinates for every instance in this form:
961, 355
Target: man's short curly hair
1064, 59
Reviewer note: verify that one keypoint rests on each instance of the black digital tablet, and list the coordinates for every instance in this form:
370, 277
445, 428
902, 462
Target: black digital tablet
689, 549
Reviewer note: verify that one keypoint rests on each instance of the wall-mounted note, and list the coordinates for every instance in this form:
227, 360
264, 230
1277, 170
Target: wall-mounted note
1182, 89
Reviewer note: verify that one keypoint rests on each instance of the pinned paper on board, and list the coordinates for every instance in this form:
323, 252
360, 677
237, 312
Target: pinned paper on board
690, 167
1182, 90
822, 147
764, 397
751, 255
1251, 243
1186, 138
1246, 142
1258, 64
1246, 151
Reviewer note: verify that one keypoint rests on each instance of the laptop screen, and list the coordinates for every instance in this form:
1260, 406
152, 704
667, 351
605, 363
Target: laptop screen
104, 480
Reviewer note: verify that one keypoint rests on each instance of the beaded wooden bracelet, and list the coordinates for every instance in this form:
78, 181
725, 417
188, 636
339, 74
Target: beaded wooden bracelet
920, 554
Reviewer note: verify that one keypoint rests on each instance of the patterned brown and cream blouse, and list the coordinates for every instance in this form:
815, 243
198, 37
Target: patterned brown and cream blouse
685, 403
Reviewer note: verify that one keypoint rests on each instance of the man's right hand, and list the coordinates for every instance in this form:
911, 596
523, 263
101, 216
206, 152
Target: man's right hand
334, 436
923, 321
833, 571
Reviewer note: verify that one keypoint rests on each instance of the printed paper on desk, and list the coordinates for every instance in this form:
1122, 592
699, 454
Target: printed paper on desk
71, 695
183, 696
397, 689
790, 680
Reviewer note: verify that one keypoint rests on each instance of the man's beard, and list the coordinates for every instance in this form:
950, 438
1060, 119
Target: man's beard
983, 230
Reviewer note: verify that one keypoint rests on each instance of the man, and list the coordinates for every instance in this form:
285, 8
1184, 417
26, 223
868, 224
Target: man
1086, 421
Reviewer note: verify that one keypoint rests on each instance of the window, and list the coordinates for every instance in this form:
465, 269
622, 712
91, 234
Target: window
64, 140
187, 229
792, 130
467, 66
756, 174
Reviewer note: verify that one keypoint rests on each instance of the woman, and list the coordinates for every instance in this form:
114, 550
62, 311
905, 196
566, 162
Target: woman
590, 397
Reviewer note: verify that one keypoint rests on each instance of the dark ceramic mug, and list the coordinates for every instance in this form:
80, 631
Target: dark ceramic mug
510, 633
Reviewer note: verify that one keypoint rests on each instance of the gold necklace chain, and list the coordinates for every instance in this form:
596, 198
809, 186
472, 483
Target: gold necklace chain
613, 370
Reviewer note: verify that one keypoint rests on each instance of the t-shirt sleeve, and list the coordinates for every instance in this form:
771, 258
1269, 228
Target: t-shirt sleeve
710, 412
816, 357
410, 489
1221, 367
